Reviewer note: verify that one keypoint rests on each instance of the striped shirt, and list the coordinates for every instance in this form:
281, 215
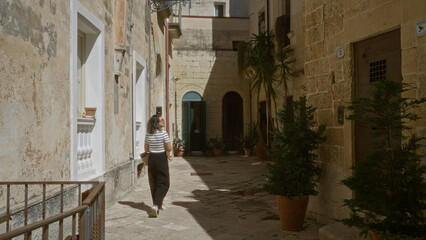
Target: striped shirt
156, 141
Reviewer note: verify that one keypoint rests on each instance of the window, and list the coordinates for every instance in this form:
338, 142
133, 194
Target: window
261, 23
219, 9
377, 70
88, 68
81, 80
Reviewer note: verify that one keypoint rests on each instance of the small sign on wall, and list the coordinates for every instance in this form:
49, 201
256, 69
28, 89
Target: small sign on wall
340, 53
421, 28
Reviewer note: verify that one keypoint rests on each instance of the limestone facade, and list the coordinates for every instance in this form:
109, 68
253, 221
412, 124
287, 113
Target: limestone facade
206, 62
332, 25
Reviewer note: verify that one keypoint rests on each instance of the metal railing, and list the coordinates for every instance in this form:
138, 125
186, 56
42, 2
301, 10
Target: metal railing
90, 211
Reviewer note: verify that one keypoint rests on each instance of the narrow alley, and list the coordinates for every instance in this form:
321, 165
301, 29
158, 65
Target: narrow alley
209, 198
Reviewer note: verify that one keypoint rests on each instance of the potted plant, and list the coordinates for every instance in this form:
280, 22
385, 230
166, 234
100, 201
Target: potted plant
217, 145
294, 173
179, 146
389, 184
90, 111
250, 140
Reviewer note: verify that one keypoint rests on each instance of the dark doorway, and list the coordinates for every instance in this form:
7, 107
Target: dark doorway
375, 58
232, 120
193, 122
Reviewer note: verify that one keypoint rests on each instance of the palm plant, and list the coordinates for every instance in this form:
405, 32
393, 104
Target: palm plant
262, 61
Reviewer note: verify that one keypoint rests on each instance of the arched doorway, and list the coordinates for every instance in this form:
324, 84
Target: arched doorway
232, 120
193, 122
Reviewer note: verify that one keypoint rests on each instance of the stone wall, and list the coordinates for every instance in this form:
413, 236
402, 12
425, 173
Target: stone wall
334, 24
233, 8
205, 62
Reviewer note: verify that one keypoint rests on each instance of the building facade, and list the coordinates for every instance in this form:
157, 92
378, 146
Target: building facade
60, 58
211, 99
344, 41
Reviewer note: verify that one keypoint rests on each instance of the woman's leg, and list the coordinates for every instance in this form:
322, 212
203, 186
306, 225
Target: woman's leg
152, 176
162, 180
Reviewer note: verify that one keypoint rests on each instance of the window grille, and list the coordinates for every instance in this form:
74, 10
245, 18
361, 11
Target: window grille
377, 70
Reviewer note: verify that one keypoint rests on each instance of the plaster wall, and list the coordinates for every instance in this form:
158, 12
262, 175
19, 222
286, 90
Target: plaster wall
333, 24
36, 97
205, 62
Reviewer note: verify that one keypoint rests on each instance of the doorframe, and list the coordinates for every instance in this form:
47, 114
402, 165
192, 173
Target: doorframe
137, 59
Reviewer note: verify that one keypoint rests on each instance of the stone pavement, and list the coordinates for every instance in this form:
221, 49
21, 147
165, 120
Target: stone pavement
209, 198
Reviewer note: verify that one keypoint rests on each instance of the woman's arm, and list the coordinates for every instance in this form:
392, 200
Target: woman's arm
168, 146
146, 147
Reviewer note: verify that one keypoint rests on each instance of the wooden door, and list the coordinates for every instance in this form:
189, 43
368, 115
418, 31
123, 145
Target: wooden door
375, 58
232, 120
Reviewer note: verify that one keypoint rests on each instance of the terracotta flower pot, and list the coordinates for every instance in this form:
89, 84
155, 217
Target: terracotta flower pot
261, 153
292, 211
180, 152
90, 111
247, 151
217, 152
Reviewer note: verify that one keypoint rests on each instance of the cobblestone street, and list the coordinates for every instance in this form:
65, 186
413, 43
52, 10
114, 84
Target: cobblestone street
209, 198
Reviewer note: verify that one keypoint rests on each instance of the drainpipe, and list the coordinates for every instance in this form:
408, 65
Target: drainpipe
167, 76
149, 60
267, 15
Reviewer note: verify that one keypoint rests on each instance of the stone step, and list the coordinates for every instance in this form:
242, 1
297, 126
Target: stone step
338, 231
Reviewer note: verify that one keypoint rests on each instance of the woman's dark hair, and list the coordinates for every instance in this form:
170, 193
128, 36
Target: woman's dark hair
153, 124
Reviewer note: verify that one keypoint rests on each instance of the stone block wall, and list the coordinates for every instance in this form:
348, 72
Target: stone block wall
334, 24
205, 62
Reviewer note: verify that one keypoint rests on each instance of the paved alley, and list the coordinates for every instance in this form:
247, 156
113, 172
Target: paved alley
209, 198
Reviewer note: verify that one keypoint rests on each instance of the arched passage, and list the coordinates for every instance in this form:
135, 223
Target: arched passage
232, 120
193, 122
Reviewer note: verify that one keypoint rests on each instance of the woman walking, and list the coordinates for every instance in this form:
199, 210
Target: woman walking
157, 143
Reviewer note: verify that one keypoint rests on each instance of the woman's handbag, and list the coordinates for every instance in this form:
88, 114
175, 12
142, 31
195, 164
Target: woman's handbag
144, 157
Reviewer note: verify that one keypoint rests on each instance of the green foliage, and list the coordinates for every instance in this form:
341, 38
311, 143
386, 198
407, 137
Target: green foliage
294, 171
178, 143
270, 68
389, 183
215, 143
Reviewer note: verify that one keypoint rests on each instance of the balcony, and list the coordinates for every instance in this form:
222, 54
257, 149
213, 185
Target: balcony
175, 21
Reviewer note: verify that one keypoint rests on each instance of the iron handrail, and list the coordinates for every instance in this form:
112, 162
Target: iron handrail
39, 224
91, 211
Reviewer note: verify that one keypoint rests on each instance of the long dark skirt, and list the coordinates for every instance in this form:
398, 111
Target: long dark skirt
159, 179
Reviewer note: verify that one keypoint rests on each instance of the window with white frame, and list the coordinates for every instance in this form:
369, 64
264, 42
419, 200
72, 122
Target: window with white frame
219, 9
88, 91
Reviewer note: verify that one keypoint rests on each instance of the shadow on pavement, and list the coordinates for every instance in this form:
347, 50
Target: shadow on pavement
233, 206
140, 206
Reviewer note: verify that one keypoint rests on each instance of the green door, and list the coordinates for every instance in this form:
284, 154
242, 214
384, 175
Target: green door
186, 119
193, 122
